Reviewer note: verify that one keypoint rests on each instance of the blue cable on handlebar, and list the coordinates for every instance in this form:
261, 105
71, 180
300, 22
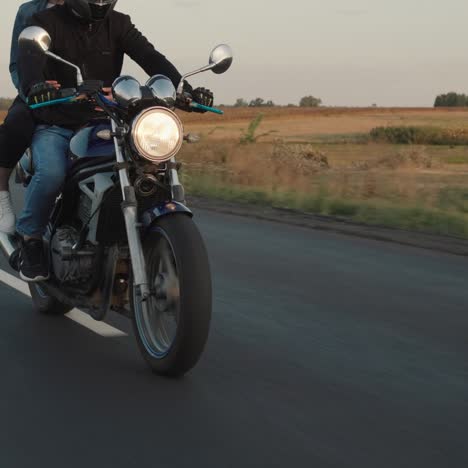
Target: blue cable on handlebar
107, 101
195, 105
52, 103
66, 100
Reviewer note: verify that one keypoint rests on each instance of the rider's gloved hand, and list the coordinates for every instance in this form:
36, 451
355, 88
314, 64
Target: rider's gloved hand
42, 92
199, 95
202, 96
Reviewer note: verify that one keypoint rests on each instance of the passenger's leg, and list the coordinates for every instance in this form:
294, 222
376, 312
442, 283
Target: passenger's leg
50, 149
15, 137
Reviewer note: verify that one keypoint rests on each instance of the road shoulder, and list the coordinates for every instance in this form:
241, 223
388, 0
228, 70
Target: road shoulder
439, 243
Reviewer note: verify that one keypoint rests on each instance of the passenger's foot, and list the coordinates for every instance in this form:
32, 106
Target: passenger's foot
7, 216
34, 266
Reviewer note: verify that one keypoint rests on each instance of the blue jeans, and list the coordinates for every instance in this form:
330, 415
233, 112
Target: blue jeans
50, 155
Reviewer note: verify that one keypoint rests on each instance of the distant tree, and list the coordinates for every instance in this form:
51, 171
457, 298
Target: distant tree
310, 101
451, 99
258, 102
291, 105
241, 103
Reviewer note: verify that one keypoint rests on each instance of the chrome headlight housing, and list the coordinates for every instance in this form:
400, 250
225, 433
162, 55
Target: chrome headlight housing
157, 134
163, 89
126, 90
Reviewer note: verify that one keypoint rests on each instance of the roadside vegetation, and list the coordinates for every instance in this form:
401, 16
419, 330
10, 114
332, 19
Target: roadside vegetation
348, 163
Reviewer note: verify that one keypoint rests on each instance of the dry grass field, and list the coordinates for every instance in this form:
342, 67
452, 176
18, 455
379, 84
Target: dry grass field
324, 161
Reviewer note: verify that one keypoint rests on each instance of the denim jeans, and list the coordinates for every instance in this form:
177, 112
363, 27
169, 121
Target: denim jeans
50, 155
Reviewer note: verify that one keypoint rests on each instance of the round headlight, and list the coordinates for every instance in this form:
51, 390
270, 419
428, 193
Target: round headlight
157, 134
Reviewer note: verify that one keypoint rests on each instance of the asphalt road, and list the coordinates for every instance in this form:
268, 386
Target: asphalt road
325, 351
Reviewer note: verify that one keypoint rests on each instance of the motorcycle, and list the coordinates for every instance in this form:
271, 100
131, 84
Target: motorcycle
121, 237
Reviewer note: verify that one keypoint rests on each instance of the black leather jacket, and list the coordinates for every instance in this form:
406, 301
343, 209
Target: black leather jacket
98, 49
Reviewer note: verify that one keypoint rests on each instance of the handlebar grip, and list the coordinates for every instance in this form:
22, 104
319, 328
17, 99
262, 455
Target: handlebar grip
52, 103
195, 105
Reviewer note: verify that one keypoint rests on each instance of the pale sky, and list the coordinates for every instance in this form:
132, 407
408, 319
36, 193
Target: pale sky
347, 52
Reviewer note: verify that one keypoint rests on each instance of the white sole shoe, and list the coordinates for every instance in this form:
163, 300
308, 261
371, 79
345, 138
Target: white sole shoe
7, 215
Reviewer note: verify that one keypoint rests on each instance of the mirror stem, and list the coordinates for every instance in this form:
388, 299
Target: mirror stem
79, 76
180, 88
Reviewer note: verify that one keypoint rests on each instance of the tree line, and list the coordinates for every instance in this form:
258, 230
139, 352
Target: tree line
306, 101
451, 100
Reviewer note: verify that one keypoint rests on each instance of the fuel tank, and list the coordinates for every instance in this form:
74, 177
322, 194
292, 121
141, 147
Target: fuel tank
94, 141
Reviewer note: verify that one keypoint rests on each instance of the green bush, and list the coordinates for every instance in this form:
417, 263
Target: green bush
454, 199
420, 135
310, 101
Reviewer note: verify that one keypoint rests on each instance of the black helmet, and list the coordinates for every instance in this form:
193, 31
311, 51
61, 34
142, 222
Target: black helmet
91, 10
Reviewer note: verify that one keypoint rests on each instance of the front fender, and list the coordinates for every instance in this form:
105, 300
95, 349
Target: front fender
149, 217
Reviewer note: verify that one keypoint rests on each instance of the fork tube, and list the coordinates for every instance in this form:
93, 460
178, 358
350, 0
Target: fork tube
178, 192
130, 212
123, 174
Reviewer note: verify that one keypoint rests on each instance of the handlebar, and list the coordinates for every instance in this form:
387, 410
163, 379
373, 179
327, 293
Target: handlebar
72, 98
67, 100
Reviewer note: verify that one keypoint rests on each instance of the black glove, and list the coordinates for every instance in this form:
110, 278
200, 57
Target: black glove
42, 92
202, 96
199, 95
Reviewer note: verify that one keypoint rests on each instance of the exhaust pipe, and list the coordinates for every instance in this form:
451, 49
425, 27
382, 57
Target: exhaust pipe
8, 244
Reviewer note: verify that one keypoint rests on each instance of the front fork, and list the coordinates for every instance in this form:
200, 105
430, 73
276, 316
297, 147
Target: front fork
130, 212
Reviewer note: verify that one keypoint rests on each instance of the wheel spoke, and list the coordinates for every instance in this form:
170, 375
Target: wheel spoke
168, 262
158, 316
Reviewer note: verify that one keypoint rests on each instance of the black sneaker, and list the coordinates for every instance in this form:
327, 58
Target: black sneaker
34, 266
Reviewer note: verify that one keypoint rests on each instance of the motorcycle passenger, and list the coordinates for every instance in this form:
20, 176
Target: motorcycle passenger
17, 131
91, 34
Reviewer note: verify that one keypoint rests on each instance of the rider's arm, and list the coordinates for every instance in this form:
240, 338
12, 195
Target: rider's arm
139, 49
20, 24
31, 63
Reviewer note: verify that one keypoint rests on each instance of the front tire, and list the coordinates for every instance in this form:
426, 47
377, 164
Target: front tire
172, 326
45, 304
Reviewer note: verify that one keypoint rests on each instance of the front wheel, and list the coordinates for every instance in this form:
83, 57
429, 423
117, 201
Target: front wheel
172, 326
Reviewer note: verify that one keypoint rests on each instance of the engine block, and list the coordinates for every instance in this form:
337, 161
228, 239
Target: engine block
71, 267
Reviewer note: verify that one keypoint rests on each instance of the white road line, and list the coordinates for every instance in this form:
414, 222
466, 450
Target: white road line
83, 319
101, 328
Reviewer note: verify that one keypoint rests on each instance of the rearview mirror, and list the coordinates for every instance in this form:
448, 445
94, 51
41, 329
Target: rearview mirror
221, 59
38, 39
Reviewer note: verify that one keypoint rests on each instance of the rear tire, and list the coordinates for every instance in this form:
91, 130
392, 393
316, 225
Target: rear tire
173, 353
45, 304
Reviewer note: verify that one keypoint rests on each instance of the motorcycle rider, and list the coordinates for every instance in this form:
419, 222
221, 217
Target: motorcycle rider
17, 131
93, 35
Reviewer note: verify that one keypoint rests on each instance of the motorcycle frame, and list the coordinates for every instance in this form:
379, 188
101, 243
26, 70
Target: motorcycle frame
136, 229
